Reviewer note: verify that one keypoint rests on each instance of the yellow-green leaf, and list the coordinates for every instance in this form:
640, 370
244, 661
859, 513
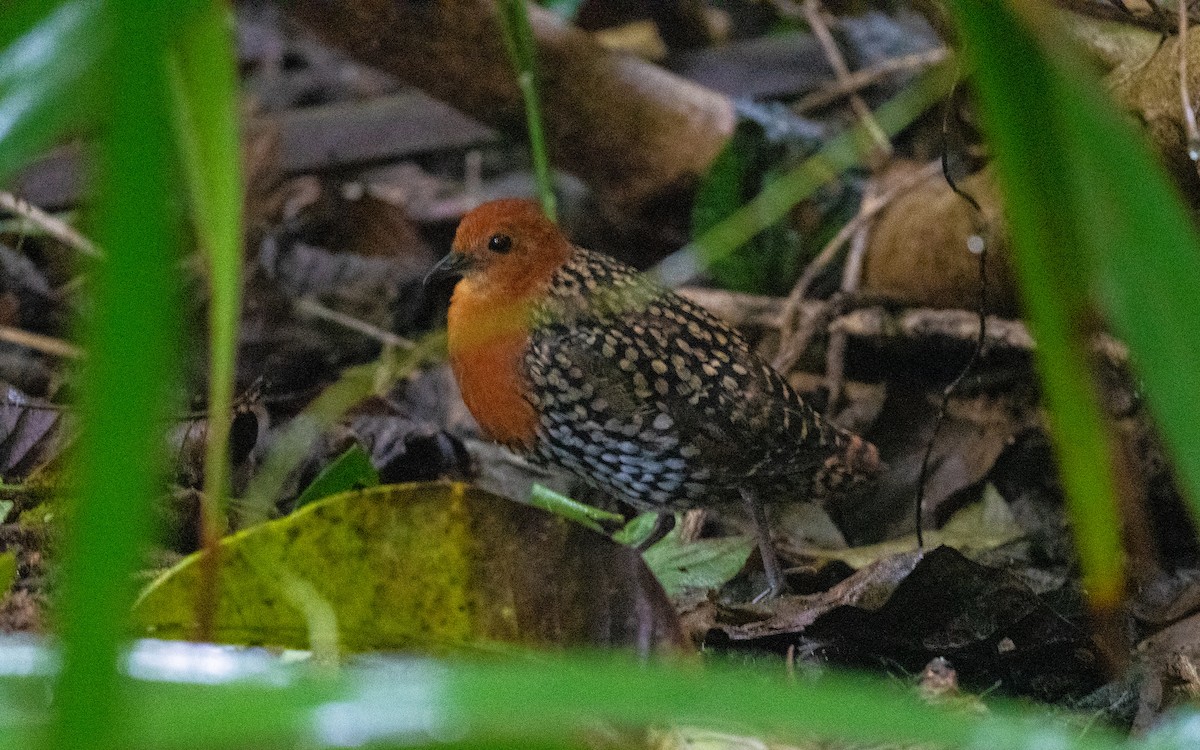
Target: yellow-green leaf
8, 571
418, 565
979, 527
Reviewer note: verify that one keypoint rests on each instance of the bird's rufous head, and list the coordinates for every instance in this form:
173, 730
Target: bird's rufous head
505, 248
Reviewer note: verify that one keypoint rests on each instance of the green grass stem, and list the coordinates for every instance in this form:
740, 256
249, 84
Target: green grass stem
522, 50
126, 394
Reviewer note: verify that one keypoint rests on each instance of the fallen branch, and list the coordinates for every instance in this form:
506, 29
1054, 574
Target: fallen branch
758, 313
640, 136
811, 12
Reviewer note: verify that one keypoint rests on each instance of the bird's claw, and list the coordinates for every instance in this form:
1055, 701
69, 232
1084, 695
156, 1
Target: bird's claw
775, 590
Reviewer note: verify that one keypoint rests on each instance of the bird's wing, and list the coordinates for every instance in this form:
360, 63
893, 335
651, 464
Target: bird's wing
671, 372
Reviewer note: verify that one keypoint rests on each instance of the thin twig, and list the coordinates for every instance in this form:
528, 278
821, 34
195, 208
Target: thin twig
811, 10
980, 340
860, 79
1185, 97
835, 362
792, 344
39, 343
56, 228
803, 323
311, 307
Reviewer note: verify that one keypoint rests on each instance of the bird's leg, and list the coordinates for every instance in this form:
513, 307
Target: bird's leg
762, 532
663, 523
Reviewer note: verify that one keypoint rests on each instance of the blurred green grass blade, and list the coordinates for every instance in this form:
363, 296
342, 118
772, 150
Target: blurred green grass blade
1148, 270
1019, 92
535, 700
773, 202
548, 698
1094, 220
767, 262
551, 701
48, 54
522, 50
126, 391
205, 92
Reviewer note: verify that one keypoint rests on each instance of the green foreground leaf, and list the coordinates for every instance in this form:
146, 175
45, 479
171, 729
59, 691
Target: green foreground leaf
126, 389
544, 701
48, 59
1094, 222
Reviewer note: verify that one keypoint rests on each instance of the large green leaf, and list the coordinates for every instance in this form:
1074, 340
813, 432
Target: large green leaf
1094, 222
126, 391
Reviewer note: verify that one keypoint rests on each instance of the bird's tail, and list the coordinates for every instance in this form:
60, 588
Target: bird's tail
849, 470
861, 457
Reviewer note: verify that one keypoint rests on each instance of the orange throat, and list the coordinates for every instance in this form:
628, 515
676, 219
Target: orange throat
487, 344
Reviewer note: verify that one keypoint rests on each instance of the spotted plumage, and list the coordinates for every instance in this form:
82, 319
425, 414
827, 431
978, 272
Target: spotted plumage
576, 359
648, 397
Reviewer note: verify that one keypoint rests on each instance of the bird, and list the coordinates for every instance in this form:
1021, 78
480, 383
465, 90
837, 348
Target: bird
576, 360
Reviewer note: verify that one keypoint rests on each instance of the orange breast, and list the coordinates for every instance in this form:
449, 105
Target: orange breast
486, 358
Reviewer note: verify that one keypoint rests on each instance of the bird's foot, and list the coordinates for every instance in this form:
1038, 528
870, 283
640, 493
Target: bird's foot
772, 592
776, 582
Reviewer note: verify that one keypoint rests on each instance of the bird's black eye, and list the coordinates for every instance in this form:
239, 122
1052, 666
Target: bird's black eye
500, 243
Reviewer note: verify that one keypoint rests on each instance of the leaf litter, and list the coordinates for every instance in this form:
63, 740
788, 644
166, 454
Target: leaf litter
996, 598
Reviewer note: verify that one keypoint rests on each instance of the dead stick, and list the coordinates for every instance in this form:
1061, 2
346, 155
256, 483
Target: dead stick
39, 343
56, 228
860, 79
794, 336
811, 10
758, 312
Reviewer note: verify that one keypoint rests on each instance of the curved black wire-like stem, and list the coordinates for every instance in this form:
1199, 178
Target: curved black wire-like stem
979, 341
